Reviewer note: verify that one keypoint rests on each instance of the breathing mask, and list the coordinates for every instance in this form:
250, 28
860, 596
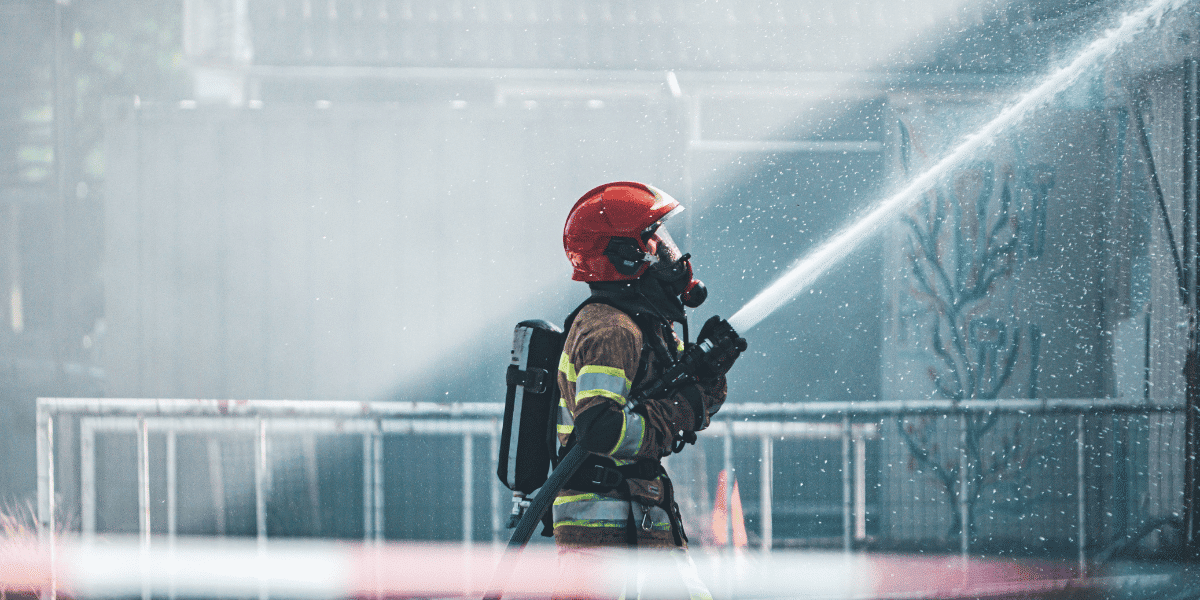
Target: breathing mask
674, 270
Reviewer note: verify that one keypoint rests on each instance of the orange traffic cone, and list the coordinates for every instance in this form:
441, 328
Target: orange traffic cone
720, 514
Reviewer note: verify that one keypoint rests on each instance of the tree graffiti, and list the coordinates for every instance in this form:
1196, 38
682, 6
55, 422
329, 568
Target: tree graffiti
965, 237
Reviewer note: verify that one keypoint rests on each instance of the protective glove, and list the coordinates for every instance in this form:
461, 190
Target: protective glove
670, 417
703, 400
727, 346
680, 415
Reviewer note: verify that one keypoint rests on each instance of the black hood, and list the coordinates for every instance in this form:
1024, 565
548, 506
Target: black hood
645, 296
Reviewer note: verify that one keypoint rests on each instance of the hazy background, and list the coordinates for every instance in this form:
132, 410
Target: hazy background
357, 199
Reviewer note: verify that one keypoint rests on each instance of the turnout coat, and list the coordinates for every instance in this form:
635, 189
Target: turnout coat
605, 358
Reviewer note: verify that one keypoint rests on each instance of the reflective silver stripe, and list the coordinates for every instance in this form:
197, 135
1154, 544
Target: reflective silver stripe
564, 414
597, 512
632, 435
590, 381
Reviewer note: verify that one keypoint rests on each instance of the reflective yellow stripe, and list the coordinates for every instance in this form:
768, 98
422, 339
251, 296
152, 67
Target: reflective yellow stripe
594, 510
620, 438
613, 371
565, 366
576, 498
586, 523
619, 399
566, 428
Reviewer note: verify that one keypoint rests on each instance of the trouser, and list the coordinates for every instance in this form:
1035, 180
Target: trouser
604, 573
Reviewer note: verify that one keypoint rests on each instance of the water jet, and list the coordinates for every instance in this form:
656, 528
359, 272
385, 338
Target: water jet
811, 266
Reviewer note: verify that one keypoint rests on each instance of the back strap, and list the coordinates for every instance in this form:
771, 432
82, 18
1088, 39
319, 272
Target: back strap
650, 338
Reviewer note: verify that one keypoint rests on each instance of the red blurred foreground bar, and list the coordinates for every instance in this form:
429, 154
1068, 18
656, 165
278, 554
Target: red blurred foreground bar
322, 569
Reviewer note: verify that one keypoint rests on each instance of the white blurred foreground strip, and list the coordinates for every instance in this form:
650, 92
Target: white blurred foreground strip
205, 567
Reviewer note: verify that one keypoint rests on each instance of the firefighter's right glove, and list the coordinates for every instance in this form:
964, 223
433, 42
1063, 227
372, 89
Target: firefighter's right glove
726, 344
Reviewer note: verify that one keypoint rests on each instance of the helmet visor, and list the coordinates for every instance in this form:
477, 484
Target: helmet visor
659, 241
667, 250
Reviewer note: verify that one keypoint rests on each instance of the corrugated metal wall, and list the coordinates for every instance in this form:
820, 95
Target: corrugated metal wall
1162, 115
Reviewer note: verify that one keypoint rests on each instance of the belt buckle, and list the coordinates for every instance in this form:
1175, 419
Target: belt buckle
598, 475
605, 477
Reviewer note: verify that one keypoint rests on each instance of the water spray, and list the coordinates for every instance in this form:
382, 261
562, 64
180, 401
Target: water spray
809, 267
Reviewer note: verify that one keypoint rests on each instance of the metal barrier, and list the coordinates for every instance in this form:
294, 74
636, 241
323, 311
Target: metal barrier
854, 423
371, 421
1157, 464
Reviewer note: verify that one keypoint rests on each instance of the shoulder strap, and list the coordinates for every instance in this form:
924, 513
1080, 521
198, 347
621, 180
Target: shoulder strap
575, 313
650, 338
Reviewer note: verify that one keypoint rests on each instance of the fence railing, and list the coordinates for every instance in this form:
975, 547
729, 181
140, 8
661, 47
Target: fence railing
267, 420
269, 423
1133, 450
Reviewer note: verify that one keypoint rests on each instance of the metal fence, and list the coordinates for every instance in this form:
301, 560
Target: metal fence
841, 465
1043, 475
265, 430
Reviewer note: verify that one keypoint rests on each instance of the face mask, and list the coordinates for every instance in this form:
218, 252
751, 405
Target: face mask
678, 279
675, 271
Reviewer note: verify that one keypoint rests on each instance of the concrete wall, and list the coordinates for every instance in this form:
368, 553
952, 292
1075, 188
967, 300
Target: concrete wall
1092, 291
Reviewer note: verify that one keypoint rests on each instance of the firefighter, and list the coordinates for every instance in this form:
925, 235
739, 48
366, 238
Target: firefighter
616, 239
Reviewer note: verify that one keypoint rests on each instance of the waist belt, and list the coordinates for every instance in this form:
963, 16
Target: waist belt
599, 474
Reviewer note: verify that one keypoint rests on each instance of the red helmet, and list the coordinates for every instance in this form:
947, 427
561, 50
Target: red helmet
610, 233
